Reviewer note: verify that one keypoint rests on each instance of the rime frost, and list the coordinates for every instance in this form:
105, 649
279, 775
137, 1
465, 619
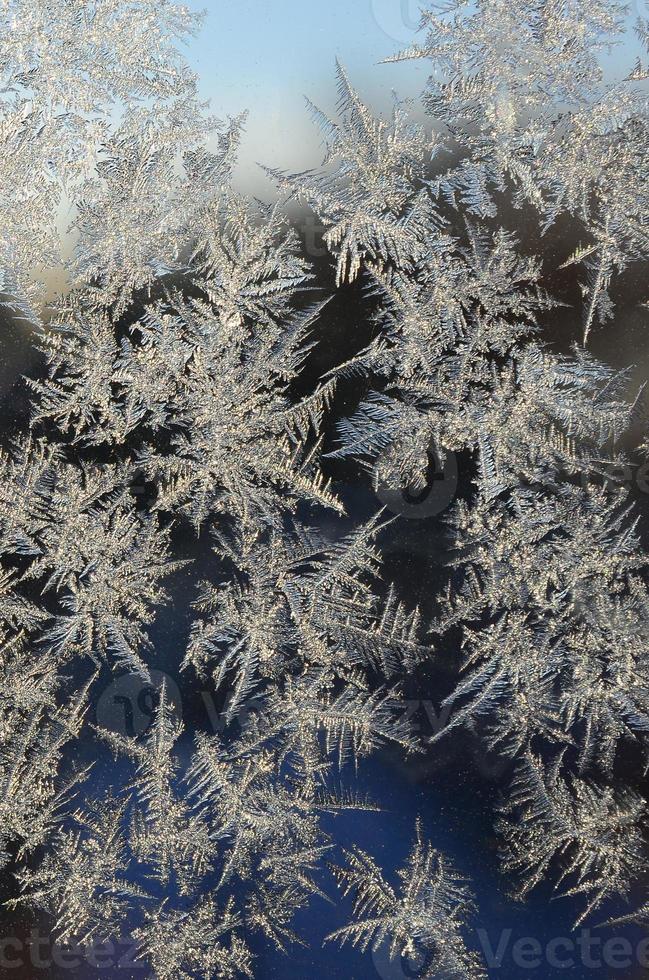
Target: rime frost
178, 413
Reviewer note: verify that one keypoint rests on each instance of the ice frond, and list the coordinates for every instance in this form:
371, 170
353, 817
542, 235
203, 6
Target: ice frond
585, 835
422, 918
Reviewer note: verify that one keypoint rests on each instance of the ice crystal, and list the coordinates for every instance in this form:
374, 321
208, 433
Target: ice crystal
66, 68
423, 919
587, 835
181, 411
556, 621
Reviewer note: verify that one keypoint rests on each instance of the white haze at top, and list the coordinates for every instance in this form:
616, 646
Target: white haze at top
265, 57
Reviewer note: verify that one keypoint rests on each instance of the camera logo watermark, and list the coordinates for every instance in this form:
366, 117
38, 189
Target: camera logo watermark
418, 503
127, 706
398, 19
396, 966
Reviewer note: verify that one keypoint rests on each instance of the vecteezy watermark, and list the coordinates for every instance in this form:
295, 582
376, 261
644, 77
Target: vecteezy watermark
312, 231
424, 718
40, 952
503, 950
398, 19
221, 720
428, 721
418, 503
127, 706
582, 949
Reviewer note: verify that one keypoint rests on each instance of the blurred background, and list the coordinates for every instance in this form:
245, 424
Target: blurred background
265, 57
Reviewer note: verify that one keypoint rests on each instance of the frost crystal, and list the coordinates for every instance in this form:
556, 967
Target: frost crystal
181, 410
